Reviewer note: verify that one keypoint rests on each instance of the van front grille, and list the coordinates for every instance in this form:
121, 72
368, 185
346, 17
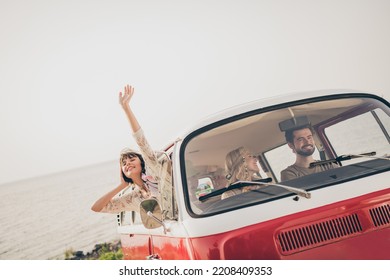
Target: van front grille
380, 216
319, 233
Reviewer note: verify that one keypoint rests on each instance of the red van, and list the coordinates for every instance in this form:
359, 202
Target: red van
340, 213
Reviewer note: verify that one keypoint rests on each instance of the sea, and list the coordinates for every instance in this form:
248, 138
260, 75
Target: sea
42, 218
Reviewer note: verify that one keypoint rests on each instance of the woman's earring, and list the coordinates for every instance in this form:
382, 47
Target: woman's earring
246, 170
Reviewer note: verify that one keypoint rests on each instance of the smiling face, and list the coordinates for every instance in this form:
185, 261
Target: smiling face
241, 164
251, 162
303, 142
131, 166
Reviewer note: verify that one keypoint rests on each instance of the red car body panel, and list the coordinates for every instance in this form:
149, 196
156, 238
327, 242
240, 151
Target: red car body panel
331, 225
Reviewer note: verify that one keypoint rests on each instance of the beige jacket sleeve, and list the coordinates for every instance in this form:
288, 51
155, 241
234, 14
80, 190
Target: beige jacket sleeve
127, 200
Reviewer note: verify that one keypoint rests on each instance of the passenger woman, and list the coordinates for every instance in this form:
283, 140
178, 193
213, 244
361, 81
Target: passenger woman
135, 185
241, 165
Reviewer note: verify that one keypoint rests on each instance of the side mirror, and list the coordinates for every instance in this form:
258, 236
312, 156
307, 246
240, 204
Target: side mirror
151, 215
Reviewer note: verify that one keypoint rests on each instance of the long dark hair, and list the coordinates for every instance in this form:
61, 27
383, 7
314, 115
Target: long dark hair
130, 154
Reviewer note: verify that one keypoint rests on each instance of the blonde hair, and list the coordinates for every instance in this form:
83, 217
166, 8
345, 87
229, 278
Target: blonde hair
235, 165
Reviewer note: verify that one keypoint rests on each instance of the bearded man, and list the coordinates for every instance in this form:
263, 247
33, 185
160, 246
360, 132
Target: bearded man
301, 141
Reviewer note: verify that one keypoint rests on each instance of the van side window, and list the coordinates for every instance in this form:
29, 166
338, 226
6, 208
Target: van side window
127, 218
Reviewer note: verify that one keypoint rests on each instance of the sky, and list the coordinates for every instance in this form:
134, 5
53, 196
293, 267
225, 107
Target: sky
62, 64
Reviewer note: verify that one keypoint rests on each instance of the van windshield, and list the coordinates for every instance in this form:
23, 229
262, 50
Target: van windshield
304, 145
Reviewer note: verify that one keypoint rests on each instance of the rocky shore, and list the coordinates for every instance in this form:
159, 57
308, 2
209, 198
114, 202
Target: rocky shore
102, 251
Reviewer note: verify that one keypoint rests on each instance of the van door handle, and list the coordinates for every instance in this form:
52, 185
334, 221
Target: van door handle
153, 257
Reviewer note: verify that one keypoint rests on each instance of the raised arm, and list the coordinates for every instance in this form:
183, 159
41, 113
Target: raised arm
146, 150
124, 100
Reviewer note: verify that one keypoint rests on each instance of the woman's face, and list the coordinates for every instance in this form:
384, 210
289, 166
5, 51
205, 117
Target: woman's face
251, 162
131, 167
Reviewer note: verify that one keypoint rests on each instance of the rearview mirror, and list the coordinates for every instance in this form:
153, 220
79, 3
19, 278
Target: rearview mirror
294, 123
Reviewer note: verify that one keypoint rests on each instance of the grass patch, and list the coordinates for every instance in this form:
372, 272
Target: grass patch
102, 251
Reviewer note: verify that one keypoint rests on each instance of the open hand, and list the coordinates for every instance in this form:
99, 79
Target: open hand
124, 98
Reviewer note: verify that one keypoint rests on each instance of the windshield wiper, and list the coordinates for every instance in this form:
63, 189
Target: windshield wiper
347, 157
236, 185
261, 182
